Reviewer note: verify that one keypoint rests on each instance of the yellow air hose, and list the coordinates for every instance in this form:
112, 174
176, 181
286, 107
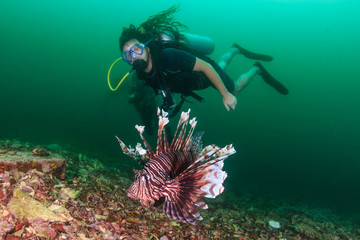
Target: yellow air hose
108, 76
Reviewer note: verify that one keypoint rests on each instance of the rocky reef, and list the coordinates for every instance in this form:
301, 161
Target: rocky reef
40, 199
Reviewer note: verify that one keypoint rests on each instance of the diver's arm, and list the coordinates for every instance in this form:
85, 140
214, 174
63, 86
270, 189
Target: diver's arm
229, 100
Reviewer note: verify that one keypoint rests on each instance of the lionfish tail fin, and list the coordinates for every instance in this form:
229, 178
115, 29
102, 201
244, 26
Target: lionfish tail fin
203, 178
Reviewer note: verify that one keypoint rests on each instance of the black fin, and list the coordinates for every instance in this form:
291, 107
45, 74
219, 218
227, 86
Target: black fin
252, 55
271, 80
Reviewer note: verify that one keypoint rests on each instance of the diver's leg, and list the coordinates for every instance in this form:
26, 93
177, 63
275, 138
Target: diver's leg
245, 79
227, 57
258, 68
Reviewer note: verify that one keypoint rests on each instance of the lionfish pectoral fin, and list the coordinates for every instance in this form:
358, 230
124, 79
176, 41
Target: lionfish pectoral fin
209, 168
203, 178
181, 201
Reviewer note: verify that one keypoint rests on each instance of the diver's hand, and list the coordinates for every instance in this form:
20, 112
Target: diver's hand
229, 100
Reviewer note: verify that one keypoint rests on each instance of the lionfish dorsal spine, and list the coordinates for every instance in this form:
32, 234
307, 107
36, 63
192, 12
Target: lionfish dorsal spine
125, 149
178, 139
188, 139
162, 143
141, 152
206, 155
213, 157
146, 144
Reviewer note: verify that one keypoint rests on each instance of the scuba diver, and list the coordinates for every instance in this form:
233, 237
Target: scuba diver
173, 66
144, 101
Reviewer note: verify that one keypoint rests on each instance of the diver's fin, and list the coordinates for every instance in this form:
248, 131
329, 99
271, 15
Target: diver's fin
252, 55
203, 178
271, 80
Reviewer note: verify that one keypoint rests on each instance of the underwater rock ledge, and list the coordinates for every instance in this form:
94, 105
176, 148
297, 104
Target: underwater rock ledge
38, 159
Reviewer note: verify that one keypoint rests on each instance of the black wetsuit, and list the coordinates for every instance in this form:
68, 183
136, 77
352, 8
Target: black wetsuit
174, 72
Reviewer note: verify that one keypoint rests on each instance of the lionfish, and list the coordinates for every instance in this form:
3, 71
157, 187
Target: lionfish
180, 174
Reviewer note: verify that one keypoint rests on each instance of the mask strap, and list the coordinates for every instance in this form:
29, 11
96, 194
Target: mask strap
149, 41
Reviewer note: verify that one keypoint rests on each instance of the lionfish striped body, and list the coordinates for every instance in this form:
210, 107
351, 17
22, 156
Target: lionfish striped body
180, 173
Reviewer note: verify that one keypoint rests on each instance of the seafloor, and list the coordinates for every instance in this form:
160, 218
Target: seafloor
89, 202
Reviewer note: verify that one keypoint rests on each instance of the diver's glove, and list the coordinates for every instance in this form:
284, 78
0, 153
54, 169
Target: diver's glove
168, 101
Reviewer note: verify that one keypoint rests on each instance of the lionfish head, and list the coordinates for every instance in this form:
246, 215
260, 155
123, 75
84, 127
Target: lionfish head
141, 189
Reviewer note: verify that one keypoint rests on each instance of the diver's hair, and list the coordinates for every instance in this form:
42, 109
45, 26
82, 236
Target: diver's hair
153, 28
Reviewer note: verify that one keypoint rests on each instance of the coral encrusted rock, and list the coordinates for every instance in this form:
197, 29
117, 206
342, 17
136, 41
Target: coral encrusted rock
24, 206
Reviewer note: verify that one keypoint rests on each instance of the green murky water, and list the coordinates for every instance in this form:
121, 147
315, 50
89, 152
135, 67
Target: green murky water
55, 55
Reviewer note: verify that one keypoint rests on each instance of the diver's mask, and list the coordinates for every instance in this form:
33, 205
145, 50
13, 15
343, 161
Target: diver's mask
133, 53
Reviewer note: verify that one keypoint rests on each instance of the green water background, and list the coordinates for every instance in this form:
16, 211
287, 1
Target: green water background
54, 57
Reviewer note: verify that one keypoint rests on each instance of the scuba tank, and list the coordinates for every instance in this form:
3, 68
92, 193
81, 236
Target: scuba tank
200, 44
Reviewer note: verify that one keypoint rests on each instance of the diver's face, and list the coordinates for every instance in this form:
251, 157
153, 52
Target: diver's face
134, 50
